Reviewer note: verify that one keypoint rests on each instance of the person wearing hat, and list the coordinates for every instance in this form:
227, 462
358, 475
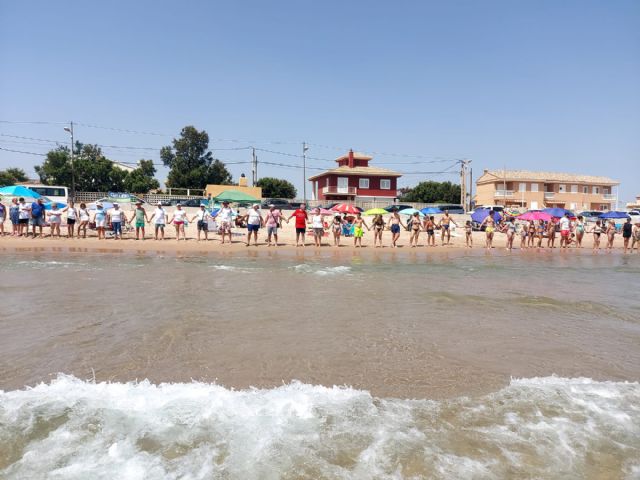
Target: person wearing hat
203, 217
178, 220
100, 219
225, 214
117, 218
273, 221
37, 216
140, 216
254, 222
160, 216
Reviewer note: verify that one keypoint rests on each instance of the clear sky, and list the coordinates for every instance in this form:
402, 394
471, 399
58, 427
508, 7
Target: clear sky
549, 85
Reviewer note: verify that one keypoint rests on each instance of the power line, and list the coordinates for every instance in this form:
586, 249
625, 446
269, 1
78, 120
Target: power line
21, 151
33, 123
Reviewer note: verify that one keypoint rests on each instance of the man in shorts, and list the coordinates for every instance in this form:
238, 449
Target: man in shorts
301, 224
224, 216
203, 222
565, 231
37, 216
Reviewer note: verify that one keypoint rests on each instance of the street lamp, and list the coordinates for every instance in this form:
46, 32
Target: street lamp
73, 173
305, 147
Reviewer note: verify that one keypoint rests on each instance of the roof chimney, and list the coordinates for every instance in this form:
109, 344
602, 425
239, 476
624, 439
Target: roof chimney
351, 161
486, 170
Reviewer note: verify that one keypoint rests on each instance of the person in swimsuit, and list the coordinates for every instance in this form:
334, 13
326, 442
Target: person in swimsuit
490, 227
468, 234
445, 226
627, 229
415, 230
178, 219
140, 217
611, 234
84, 216
395, 222
358, 230
551, 234
636, 237
429, 225
378, 227
509, 227
55, 219
597, 231
540, 232
72, 217
579, 231
100, 219
524, 233
336, 229
531, 233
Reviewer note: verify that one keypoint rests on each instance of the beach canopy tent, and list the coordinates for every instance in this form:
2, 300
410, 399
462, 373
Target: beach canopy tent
411, 211
479, 215
559, 212
18, 191
376, 211
345, 208
431, 210
235, 196
535, 215
615, 214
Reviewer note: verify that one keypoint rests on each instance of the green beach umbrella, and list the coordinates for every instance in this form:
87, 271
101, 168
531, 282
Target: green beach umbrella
376, 211
235, 196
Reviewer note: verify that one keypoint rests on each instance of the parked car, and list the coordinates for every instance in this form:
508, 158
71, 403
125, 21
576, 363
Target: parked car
399, 207
590, 215
279, 203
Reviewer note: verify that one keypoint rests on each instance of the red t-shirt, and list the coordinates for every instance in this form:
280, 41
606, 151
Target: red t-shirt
301, 218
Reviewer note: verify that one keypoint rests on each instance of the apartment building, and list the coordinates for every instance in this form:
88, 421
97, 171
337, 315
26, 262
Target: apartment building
537, 190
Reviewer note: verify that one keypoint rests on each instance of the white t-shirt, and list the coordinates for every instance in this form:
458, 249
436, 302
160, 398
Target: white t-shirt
179, 215
55, 215
202, 215
116, 215
316, 221
84, 215
160, 216
23, 211
71, 213
224, 214
564, 223
254, 217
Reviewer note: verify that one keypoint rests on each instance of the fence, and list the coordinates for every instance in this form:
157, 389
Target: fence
89, 197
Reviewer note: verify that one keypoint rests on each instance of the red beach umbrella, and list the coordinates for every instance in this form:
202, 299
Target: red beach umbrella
345, 208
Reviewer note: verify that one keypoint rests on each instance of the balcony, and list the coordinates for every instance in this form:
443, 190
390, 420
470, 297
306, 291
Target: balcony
332, 190
549, 195
503, 193
608, 196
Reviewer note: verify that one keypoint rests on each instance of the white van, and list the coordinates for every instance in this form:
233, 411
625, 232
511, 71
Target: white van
52, 192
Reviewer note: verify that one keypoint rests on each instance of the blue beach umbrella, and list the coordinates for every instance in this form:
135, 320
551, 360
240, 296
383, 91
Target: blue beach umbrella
558, 212
615, 214
479, 215
19, 191
47, 205
431, 210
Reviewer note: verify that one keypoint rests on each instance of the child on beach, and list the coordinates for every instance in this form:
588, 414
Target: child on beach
358, 231
336, 229
468, 234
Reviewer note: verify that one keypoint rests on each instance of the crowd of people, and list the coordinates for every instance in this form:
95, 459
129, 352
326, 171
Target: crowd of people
114, 221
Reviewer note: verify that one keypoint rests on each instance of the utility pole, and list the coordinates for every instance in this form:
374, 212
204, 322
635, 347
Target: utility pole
73, 173
304, 171
254, 167
470, 187
463, 183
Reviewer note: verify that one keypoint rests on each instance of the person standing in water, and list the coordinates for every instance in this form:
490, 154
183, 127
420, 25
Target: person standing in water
396, 223
524, 232
301, 217
160, 217
72, 217
273, 221
254, 222
139, 215
358, 230
445, 226
84, 216
378, 227
415, 230
627, 232
202, 217
490, 227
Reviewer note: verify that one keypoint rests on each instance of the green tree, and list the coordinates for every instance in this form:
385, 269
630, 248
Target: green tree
141, 180
433, 192
276, 188
191, 163
11, 176
56, 169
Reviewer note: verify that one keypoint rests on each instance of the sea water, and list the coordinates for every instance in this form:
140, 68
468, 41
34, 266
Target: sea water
319, 366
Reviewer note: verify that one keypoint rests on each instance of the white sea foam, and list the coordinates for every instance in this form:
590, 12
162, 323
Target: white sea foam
534, 428
322, 271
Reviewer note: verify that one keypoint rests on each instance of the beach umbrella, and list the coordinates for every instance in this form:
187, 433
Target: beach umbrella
431, 210
614, 214
512, 212
235, 196
479, 215
558, 212
324, 211
535, 215
345, 208
411, 211
19, 191
376, 211
47, 205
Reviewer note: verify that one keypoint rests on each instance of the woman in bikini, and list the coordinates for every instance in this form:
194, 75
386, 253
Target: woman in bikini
490, 227
531, 234
540, 232
336, 228
597, 231
378, 227
468, 234
415, 230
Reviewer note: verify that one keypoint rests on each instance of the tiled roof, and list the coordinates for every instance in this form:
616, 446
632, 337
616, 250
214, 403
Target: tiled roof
510, 175
356, 155
371, 171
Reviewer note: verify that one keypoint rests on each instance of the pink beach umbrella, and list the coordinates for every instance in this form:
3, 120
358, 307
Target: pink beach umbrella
535, 216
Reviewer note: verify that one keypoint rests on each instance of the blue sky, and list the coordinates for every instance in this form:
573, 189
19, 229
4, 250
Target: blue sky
549, 85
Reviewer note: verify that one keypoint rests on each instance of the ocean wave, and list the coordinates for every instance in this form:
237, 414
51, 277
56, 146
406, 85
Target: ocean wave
547, 427
322, 271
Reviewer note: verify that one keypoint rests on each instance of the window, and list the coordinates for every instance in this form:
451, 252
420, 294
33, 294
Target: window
522, 187
606, 191
574, 189
534, 187
585, 189
596, 190
385, 184
562, 188
363, 183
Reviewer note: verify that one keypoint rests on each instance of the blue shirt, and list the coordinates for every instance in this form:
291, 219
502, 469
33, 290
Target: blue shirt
36, 210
